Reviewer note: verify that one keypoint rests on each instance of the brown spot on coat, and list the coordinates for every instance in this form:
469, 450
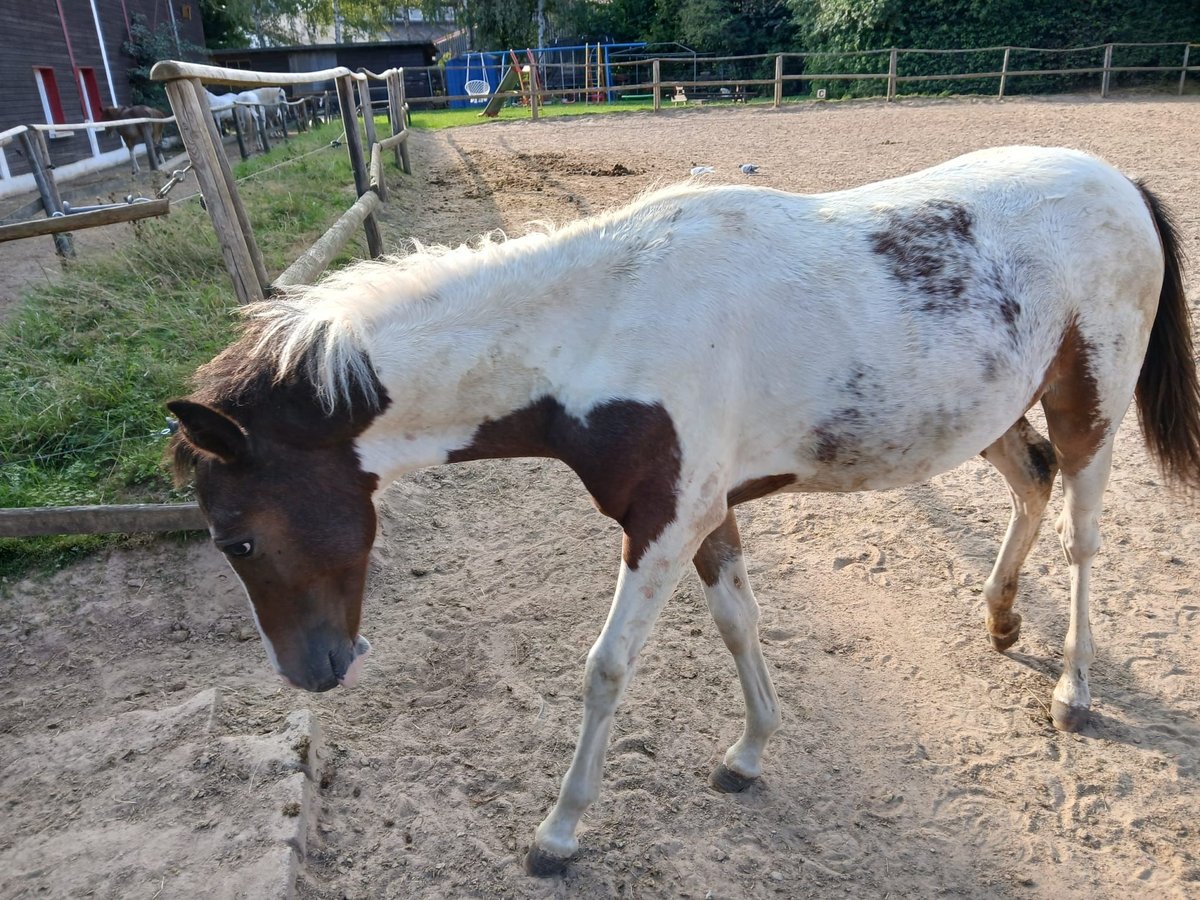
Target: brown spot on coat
720, 548
625, 452
927, 248
758, 487
1071, 400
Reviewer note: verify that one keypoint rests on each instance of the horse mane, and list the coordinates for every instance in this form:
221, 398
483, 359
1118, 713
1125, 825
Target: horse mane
317, 335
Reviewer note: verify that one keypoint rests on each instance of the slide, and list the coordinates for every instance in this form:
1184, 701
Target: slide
511, 81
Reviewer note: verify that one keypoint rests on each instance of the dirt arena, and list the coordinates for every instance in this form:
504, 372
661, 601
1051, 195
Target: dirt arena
149, 752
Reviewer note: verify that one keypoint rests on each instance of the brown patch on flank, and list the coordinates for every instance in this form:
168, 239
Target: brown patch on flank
1072, 402
625, 452
928, 249
718, 549
758, 487
839, 439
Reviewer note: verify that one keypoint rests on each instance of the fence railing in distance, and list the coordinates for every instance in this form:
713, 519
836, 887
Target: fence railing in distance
890, 68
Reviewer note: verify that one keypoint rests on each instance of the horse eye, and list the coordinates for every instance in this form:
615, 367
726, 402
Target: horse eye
239, 550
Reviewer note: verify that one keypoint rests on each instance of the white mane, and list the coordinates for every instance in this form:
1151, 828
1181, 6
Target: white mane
323, 329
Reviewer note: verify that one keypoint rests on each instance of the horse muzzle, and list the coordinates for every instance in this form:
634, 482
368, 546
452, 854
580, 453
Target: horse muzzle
328, 664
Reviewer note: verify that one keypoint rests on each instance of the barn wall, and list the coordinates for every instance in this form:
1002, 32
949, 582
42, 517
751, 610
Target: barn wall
35, 38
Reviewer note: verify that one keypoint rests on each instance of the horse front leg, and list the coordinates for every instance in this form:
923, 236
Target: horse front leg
722, 569
640, 596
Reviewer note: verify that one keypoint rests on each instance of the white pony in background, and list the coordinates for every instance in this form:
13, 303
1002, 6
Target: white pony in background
222, 107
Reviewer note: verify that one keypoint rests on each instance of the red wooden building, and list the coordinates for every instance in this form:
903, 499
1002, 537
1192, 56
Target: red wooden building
61, 60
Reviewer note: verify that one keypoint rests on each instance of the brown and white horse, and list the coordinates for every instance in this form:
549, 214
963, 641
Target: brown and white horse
700, 348
131, 135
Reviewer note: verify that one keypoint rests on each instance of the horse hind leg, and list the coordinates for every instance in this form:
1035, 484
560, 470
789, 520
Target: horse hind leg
1028, 464
1083, 408
722, 569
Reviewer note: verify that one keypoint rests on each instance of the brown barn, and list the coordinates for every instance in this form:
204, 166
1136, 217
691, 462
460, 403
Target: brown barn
61, 61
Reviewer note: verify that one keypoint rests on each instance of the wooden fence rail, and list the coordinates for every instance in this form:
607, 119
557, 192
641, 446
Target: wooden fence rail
889, 72
58, 223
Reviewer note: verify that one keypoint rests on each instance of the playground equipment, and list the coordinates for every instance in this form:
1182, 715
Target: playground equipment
478, 88
514, 79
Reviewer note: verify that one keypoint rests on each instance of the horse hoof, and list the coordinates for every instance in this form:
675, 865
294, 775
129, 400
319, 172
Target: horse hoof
1067, 717
727, 781
1002, 642
541, 864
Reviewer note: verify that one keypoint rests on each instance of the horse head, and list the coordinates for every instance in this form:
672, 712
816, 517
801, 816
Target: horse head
279, 480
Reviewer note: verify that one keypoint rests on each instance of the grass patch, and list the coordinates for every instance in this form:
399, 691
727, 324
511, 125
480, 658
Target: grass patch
454, 118
90, 359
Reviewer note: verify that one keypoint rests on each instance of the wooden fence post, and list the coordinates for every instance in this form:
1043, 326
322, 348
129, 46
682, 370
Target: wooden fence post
191, 119
1104, 77
38, 154
237, 129
533, 92
260, 113
147, 137
345, 91
1183, 73
1004, 71
657, 79
395, 113
402, 102
368, 111
778, 81
239, 209
891, 82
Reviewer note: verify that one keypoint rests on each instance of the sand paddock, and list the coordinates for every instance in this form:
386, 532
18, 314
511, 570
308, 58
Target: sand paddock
148, 752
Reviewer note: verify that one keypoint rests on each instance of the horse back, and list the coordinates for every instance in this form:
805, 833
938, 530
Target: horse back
876, 336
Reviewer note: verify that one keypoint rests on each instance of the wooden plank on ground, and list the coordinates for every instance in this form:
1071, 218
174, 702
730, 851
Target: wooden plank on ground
127, 519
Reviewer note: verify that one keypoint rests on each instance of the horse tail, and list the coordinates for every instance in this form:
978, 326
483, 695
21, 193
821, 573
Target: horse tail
1168, 394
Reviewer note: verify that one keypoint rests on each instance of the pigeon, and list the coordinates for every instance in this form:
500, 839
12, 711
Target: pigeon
702, 170
748, 168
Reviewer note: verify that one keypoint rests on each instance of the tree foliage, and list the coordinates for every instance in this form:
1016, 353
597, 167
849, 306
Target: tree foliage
731, 27
147, 46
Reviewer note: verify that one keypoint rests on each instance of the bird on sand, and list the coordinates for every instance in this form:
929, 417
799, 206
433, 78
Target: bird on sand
748, 168
702, 170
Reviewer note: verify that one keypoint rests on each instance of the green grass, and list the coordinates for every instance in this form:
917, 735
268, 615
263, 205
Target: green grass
90, 359
454, 118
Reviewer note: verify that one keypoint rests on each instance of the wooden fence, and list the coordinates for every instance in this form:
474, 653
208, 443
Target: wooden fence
201, 138
823, 67
60, 220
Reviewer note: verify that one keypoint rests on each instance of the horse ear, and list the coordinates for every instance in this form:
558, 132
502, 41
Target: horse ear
210, 431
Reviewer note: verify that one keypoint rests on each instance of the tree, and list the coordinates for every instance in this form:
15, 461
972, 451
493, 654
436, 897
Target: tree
146, 47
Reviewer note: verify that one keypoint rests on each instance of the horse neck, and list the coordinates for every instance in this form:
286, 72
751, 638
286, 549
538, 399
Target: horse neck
481, 349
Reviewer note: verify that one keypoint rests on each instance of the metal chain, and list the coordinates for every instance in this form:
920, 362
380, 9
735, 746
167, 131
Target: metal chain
177, 176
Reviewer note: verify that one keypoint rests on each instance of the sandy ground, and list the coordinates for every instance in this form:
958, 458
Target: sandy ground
147, 751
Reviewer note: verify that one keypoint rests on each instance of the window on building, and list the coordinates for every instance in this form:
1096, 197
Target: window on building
185, 12
48, 89
90, 91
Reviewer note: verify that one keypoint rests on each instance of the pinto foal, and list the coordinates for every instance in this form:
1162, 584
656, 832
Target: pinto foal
131, 135
703, 347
